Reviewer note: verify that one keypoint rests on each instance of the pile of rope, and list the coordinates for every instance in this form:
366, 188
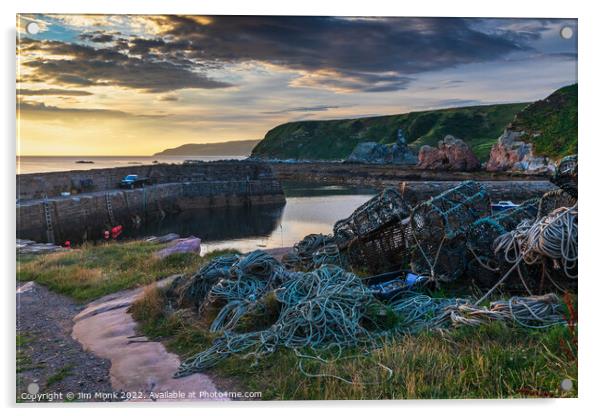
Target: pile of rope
195, 290
313, 250
249, 278
422, 312
321, 308
550, 238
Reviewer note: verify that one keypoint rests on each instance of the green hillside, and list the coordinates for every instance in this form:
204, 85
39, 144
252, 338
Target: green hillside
551, 124
478, 126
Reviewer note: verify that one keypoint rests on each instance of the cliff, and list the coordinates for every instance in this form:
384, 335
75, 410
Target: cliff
478, 126
233, 148
543, 132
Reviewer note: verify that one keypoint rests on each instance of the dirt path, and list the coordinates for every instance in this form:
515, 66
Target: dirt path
140, 368
49, 360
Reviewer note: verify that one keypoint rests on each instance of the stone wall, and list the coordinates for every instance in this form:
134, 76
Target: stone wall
84, 217
37, 185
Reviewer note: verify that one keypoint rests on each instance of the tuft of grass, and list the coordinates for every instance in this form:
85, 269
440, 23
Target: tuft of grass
93, 271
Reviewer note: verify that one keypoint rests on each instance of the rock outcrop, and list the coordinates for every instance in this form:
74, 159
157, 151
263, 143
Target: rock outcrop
371, 152
512, 154
450, 154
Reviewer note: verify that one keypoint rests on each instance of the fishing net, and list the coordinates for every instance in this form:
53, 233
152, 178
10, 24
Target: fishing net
373, 236
437, 229
565, 176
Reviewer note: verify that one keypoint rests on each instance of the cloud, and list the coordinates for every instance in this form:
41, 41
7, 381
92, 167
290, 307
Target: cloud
41, 111
340, 54
370, 55
65, 63
168, 98
302, 109
52, 91
98, 36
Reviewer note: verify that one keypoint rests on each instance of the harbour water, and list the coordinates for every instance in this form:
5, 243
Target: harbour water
308, 209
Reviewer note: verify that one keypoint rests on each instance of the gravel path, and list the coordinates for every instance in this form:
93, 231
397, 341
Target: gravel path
49, 360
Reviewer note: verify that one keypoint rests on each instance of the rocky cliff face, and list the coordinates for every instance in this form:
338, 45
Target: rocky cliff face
512, 154
450, 154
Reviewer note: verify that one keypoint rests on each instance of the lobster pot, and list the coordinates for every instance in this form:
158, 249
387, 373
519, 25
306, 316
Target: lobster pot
553, 200
372, 238
565, 176
438, 226
380, 211
482, 234
484, 231
380, 251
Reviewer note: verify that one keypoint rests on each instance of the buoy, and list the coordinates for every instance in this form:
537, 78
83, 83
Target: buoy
67, 244
106, 234
116, 231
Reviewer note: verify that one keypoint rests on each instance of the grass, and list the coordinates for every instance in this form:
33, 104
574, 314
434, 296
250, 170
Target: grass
93, 271
551, 124
492, 361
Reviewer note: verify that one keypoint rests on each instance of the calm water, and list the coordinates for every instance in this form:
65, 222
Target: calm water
35, 164
308, 209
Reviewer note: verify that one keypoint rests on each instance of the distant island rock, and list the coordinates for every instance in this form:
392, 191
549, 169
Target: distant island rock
233, 148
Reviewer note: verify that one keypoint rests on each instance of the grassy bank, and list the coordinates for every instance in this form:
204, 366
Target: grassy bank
93, 271
493, 361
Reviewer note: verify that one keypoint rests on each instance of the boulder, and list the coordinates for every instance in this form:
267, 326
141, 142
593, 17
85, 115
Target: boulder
397, 153
182, 245
512, 154
450, 154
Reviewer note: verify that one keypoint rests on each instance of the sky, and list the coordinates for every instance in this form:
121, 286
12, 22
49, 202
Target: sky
135, 84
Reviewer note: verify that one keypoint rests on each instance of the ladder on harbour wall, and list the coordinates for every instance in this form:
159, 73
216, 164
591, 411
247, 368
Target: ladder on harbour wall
110, 208
48, 218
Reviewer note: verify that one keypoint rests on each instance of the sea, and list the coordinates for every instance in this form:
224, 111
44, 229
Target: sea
37, 164
309, 208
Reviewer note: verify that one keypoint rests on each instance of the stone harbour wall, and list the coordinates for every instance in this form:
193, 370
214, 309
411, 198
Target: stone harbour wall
86, 216
44, 215
38, 185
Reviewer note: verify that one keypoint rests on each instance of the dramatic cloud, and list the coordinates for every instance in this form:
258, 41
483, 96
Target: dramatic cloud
371, 55
346, 55
81, 65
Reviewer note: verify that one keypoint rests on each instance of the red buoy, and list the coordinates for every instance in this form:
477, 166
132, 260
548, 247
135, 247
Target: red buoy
116, 231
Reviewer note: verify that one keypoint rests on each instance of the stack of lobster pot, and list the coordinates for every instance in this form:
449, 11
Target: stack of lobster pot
437, 230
